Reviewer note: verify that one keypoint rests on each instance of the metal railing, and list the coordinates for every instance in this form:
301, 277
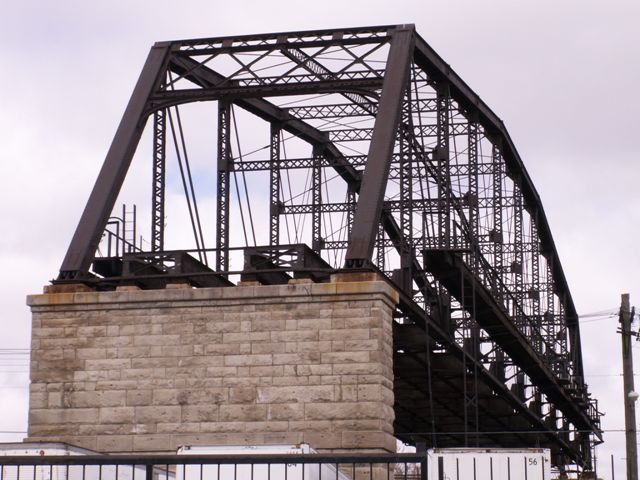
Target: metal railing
214, 467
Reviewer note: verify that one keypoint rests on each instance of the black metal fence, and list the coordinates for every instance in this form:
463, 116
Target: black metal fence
215, 467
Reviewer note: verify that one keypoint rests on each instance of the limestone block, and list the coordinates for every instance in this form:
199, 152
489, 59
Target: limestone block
283, 438
116, 414
323, 439
312, 426
54, 400
285, 411
234, 381
257, 348
108, 364
320, 346
92, 331
293, 394
160, 340
115, 443
39, 400
248, 360
297, 380
180, 427
199, 413
112, 398
266, 427
344, 333
364, 439
246, 413
296, 358
62, 416
363, 344
347, 410
372, 368
244, 337
134, 352
314, 323
152, 443
360, 424
268, 326
345, 357
139, 397
294, 335
157, 414
239, 394
346, 393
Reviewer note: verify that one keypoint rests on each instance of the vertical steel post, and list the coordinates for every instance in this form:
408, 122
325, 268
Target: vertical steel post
158, 178
351, 202
472, 193
225, 165
534, 288
405, 137
316, 191
369, 207
441, 154
497, 236
518, 257
406, 175
274, 173
380, 257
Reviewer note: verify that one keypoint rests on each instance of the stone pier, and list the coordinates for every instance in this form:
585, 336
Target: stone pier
151, 370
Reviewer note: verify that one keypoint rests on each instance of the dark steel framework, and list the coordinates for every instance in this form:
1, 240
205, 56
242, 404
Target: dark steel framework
407, 173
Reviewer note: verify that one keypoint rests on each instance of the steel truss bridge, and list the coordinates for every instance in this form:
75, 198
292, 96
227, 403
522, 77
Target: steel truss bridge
360, 150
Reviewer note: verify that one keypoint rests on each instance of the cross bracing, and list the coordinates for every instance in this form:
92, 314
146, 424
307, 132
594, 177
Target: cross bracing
374, 156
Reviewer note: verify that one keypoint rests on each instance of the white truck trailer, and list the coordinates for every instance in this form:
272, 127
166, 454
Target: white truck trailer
255, 471
63, 472
489, 464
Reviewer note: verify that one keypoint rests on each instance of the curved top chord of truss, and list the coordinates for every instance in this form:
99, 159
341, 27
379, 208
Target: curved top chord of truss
379, 157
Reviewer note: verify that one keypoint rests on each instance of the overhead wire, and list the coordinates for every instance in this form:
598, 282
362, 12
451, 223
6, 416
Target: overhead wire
295, 224
185, 185
191, 187
329, 215
244, 178
189, 190
281, 187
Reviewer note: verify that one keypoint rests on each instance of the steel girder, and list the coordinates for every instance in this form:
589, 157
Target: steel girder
459, 229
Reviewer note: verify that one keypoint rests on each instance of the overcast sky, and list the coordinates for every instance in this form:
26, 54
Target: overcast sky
562, 75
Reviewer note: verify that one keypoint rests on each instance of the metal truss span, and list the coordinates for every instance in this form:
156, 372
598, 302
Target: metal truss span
360, 149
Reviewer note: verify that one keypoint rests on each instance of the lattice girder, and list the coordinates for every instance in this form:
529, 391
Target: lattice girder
408, 173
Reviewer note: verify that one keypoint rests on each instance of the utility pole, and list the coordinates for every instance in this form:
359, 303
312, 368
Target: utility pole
630, 395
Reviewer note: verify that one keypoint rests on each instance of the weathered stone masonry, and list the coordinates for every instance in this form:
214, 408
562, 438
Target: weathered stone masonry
150, 370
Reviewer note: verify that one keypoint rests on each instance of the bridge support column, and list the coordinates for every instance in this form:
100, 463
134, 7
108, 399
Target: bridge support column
151, 370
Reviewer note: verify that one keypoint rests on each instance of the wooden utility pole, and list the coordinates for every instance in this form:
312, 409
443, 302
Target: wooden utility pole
630, 395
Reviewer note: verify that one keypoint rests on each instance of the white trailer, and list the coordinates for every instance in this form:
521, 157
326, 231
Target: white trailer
489, 464
63, 472
255, 471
